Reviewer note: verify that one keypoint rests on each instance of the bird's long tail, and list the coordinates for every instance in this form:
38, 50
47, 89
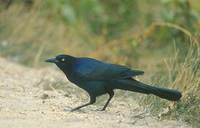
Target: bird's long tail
136, 86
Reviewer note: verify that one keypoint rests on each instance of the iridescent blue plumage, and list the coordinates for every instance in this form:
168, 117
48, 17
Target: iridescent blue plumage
98, 78
92, 69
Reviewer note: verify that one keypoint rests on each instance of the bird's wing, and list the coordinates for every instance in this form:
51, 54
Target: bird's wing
123, 71
97, 70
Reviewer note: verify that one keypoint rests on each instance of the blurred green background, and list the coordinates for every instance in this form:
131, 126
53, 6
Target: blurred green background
159, 36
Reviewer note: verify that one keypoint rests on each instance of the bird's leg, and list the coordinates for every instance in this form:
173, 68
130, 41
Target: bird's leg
111, 94
92, 100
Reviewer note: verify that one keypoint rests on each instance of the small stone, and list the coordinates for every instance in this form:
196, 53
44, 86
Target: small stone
45, 96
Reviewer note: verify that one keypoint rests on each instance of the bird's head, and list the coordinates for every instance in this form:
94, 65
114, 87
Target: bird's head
62, 61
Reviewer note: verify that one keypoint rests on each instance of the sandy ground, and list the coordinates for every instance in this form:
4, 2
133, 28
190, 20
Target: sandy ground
28, 99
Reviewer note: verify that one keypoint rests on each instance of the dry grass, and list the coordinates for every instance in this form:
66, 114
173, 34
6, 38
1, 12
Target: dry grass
31, 36
183, 74
34, 35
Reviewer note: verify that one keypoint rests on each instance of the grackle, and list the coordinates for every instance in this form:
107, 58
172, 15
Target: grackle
98, 78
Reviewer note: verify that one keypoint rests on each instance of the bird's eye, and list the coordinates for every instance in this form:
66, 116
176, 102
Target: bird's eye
63, 59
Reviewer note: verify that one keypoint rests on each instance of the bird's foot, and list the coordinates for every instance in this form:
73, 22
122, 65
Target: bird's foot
67, 109
76, 110
101, 110
72, 110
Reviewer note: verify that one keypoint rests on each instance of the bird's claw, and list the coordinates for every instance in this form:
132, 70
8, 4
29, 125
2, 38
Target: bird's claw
101, 110
72, 110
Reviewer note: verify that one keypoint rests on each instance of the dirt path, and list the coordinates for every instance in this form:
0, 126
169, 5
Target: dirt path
28, 99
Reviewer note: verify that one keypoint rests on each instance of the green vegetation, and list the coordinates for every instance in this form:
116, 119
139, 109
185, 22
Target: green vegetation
161, 37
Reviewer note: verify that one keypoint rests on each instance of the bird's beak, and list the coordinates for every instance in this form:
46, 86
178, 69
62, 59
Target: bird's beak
51, 60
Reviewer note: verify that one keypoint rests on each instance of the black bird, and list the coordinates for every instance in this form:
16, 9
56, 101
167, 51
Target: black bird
98, 78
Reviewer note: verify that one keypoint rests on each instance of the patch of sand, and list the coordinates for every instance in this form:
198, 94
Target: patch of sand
27, 99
